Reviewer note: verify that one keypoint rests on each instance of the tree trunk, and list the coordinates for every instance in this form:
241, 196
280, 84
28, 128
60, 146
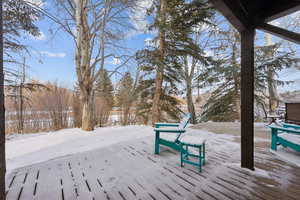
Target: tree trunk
236, 99
2, 114
82, 60
87, 113
237, 103
190, 103
126, 112
273, 103
160, 68
156, 100
21, 120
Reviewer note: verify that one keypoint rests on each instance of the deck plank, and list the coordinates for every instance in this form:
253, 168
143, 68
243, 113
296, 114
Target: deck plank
16, 187
130, 171
48, 186
30, 185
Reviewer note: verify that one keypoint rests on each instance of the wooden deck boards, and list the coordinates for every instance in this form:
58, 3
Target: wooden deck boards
130, 171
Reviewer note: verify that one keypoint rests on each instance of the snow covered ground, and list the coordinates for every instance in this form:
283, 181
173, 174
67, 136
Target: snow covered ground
27, 149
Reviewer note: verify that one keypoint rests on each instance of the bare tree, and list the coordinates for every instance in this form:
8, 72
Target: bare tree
56, 102
95, 26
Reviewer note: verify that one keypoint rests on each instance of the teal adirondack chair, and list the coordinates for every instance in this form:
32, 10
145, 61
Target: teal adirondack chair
168, 134
287, 135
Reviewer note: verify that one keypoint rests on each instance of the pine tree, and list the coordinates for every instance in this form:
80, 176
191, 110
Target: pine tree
169, 104
104, 98
126, 95
270, 60
224, 102
163, 59
18, 17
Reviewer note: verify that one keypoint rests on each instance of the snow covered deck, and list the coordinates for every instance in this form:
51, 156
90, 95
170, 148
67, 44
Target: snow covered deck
127, 169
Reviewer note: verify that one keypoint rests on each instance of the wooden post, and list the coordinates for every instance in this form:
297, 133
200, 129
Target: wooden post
247, 98
2, 113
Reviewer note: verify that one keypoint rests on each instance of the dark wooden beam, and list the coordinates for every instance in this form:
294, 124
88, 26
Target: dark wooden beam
279, 9
2, 113
234, 12
247, 98
280, 32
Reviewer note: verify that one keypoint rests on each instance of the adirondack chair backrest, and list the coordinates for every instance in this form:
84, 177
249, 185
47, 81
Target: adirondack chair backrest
184, 122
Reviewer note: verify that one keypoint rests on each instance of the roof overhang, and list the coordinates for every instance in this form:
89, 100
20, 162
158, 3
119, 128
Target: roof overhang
243, 14
250, 14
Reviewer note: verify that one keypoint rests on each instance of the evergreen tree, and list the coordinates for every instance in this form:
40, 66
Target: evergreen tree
224, 102
169, 104
270, 60
18, 18
163, 59
125, 96
105, 87
104, 98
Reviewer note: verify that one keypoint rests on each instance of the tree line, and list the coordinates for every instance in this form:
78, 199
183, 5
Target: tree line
193, 49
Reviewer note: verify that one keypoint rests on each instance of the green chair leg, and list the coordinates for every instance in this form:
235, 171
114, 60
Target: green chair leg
156, 151
187, 150
185, 154
181, 156
200, 159
203, 153
274, 139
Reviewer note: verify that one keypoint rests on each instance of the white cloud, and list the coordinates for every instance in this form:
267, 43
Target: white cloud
138, 17
116, 61
53, 55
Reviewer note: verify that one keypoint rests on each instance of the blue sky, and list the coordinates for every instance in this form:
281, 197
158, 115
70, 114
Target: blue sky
52, 57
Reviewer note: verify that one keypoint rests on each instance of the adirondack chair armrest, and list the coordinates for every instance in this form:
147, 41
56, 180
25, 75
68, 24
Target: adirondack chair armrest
169, 130
276, 128
160, 124
287, 125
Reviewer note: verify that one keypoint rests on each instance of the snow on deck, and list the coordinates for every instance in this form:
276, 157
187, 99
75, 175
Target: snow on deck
28, 149
294, 138
118, 163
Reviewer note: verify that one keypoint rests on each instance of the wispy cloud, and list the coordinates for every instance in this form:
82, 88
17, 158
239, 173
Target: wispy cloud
138, 17
53, 55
